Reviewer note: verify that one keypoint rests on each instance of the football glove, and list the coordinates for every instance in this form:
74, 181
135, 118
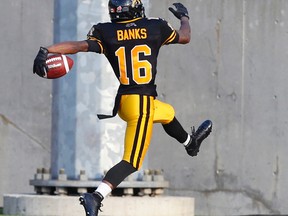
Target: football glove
180, 11
40, 67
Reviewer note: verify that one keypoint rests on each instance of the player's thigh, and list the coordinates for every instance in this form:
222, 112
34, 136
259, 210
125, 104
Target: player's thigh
138, 112
163, 112
132, 106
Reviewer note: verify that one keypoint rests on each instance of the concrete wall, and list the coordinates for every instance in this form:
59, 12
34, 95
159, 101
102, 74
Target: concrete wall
233, 72
25, 99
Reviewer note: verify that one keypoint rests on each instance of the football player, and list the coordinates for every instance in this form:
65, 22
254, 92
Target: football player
131, 43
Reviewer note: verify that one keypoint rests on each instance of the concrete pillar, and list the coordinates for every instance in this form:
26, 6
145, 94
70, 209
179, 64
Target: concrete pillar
63, 146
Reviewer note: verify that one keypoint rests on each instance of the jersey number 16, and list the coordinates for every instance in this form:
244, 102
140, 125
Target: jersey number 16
143, 76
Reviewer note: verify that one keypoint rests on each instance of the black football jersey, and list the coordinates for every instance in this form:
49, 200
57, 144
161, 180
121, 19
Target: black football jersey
132, 49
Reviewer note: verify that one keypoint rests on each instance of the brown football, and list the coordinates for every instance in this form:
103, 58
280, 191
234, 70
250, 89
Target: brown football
58, 66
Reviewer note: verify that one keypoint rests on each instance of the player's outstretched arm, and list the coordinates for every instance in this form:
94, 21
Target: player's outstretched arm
68, 47
184, 31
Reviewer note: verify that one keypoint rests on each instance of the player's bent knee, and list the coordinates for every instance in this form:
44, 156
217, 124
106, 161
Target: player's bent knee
164, 113
135, 166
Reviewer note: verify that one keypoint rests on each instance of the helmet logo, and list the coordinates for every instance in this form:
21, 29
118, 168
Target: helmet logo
119, 9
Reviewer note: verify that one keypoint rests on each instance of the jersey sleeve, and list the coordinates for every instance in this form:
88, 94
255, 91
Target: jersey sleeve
94, 40
169, 35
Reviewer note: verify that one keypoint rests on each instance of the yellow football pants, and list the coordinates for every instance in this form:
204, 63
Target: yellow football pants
140, 112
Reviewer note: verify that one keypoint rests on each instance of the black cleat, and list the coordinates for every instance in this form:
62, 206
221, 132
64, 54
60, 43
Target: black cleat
197, 137
91, 203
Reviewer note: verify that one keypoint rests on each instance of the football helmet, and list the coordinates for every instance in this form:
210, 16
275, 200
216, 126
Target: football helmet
121, 10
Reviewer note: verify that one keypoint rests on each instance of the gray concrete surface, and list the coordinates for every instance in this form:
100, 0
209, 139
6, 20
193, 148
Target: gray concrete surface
25, 100
32, 205
234, 72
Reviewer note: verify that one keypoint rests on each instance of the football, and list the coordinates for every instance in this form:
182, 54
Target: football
58, 66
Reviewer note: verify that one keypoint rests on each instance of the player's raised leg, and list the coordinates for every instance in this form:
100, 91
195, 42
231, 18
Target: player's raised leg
165, 114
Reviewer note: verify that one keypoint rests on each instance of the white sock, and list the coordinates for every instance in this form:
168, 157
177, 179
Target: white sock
103, 189
187, 140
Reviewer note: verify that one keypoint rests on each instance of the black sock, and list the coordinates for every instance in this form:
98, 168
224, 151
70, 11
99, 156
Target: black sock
175, 130
119, 172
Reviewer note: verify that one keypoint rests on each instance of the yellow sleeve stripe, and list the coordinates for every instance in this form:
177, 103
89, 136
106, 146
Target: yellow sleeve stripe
101, 46
98, 41
170, 38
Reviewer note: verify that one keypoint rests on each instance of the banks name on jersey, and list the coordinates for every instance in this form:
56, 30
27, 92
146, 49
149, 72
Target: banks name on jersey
132, 34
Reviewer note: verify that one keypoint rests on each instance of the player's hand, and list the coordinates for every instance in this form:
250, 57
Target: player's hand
180, 11
40, 67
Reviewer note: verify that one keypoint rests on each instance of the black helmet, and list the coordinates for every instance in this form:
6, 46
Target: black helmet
120, 10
